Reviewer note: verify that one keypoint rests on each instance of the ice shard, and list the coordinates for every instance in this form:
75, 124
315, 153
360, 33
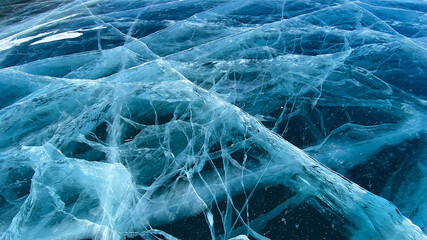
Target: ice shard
213, 119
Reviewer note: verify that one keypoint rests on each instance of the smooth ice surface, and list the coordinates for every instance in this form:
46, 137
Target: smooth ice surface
213, 119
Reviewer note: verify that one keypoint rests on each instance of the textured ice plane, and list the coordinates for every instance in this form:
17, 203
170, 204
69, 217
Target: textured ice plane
109, 159
171, 119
